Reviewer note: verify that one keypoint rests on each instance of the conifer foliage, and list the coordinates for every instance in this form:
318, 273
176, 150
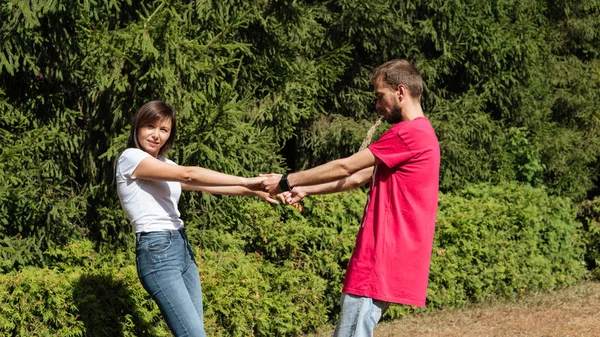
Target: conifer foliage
512, 88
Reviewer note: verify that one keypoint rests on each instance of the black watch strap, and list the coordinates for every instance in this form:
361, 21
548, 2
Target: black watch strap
284, 186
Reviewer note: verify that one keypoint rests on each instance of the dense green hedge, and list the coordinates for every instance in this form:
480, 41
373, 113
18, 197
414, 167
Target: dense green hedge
501, 241
82, 294
277, 271
589, 215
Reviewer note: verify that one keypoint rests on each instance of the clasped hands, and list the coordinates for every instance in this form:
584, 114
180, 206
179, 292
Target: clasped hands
266, 186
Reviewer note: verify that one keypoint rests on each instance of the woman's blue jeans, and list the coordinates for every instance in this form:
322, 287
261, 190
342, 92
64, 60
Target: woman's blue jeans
168, 271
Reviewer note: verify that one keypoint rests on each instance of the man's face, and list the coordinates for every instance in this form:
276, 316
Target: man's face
388, 103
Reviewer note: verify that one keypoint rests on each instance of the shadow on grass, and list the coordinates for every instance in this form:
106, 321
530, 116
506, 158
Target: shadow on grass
107, 307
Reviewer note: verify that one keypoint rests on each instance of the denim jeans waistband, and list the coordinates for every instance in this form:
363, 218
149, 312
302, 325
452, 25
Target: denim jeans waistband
173, 232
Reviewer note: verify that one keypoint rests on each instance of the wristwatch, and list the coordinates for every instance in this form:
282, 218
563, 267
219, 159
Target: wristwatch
283, 184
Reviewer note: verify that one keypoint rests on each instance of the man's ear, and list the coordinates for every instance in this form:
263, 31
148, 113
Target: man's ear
401, 91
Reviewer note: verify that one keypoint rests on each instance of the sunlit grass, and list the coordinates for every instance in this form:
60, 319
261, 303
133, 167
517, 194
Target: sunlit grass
573, 311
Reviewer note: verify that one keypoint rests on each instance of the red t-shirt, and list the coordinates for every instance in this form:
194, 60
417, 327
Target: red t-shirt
393, 248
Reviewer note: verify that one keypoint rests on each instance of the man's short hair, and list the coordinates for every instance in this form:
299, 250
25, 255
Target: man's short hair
396, 72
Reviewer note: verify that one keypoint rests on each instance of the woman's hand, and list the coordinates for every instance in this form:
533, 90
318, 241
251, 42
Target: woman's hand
254, 183
267, 197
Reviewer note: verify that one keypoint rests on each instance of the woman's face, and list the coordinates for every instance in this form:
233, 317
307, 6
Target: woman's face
153, 136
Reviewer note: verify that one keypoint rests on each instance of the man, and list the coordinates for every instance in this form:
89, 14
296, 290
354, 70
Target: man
390, 263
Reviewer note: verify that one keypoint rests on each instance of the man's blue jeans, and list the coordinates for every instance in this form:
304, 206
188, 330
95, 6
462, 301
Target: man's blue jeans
168, 271
359, 315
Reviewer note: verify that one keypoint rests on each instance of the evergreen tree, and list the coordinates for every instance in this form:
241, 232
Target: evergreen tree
269, 86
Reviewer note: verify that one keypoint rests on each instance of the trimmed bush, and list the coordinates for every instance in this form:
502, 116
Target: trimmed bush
502, 241
104, 299
315, 239
277, 271
589, 215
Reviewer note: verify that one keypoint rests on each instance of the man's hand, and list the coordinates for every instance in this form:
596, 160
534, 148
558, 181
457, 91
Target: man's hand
293, 196
270, 183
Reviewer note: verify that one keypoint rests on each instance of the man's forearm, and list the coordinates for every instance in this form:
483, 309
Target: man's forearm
334, 170
340, 185
355, 180
329, 172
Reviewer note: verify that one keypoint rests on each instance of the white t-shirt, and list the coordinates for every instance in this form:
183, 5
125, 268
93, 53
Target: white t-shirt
150, 205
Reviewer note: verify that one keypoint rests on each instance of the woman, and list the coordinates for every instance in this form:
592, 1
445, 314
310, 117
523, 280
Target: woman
149, 186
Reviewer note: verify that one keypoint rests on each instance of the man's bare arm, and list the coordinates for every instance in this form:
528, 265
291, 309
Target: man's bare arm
329, 172
344, 184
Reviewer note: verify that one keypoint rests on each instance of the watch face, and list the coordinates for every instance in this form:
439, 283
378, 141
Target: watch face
283, 184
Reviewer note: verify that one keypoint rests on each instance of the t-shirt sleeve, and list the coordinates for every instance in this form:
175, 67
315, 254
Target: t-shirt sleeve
129, 160
391, 149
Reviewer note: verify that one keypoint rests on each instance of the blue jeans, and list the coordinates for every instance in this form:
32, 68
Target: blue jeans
359, 315
168, 272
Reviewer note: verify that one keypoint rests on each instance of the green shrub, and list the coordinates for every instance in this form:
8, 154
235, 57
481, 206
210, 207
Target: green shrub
502, 241
38, 302
244, 295
87, 294
103, 299
316, 241
277, 271
589, 215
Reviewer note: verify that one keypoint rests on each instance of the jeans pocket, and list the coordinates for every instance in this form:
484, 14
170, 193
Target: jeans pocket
159, 245
378, 309
375, 314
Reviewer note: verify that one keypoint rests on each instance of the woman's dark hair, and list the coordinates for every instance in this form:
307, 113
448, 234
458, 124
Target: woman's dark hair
150, 113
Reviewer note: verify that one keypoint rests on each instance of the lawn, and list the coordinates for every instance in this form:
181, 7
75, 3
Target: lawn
573, 311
